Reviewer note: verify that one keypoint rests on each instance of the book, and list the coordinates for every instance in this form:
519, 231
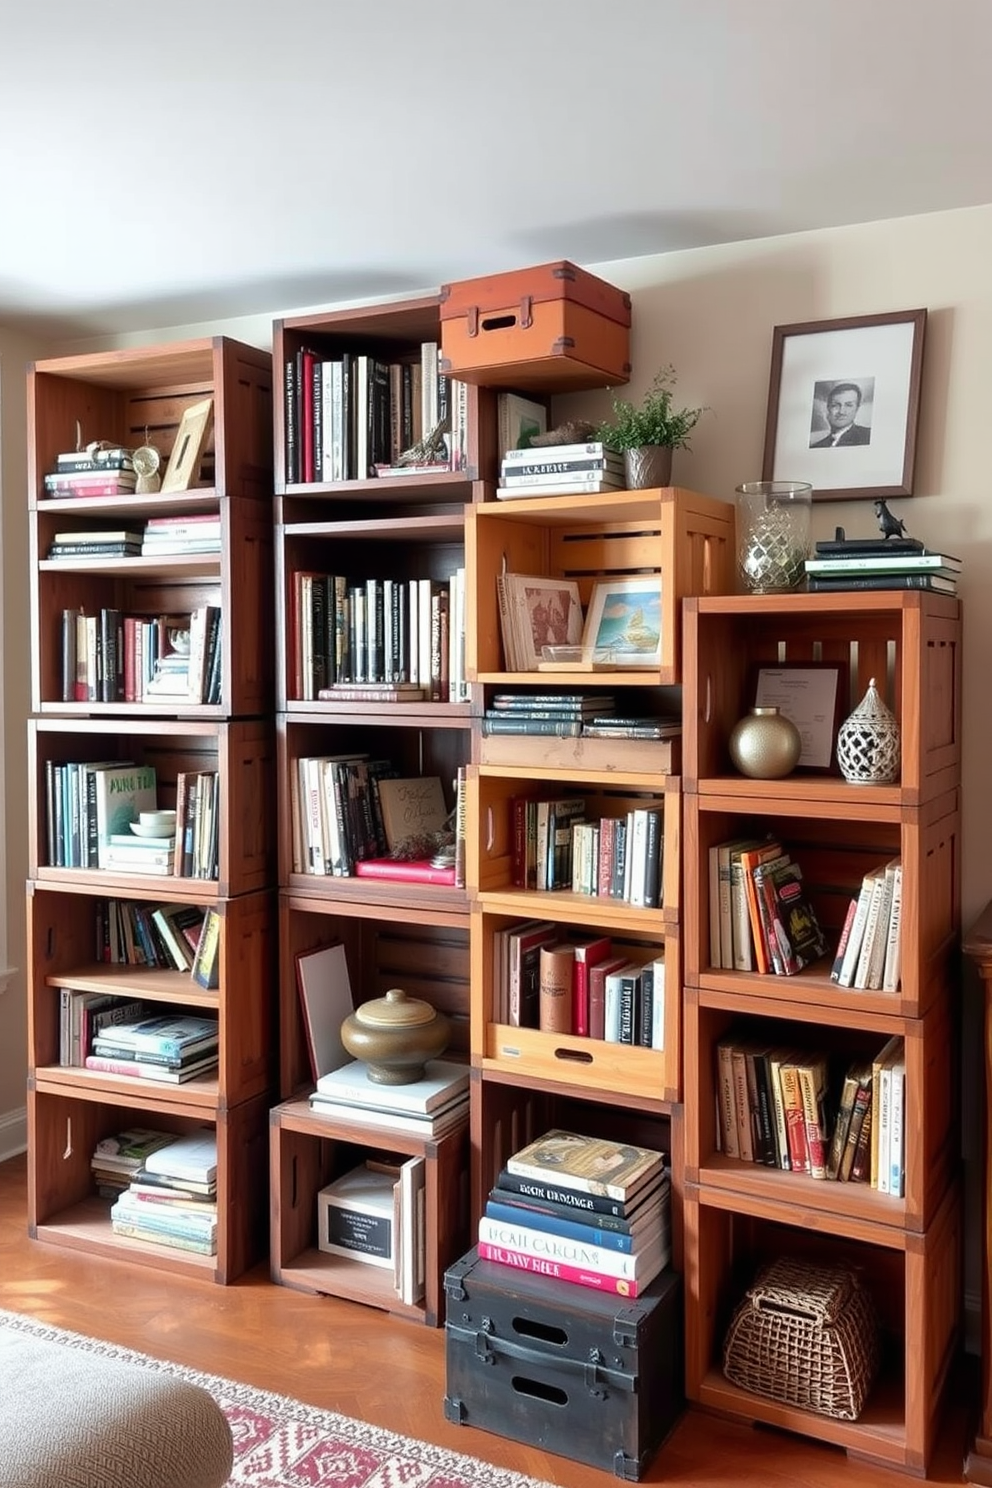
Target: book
553, 454
523, 960
136, 1229
435, 1124
856, 936
935, 582
812, 1072
941, 563
412, 1194
514, 472
93, 458
852, 1141
588, 953
798, 935
441, 1083
411, 808
128, 1150
891, 968
565, 486
324, 988
552, 1192
405, 870
556, 969
594, 1165
636, 1265
372, 692
561, 1271
537, 610
121, 792
357, 1216
518, 419
581, 1228
556, 728
193, 1156
866, 547
205, 969
109, 1065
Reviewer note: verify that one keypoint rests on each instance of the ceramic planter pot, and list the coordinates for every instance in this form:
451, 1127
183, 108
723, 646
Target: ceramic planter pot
651, 465
395, 1035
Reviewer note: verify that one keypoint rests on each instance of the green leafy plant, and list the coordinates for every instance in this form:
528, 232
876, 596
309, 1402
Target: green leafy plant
654, 422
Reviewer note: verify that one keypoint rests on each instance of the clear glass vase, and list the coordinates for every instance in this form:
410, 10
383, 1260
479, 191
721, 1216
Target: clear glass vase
774, 527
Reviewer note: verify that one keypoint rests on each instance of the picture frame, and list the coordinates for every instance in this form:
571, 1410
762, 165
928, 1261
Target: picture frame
623, 622
843, 405
187, 450
537, 610
813, 694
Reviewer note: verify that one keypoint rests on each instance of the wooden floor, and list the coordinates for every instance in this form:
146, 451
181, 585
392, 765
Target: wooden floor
355, 1360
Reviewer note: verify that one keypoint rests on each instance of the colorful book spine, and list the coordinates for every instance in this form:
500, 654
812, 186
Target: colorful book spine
568, 1229
561, 1271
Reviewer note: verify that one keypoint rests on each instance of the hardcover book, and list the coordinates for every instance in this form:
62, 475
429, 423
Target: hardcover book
594, 1165
442, 1082
122, 793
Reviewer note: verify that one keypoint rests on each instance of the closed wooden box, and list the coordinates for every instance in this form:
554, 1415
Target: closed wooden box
553, 328
593, 1377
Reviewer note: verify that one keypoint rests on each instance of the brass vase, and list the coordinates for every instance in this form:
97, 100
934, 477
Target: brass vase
765, 745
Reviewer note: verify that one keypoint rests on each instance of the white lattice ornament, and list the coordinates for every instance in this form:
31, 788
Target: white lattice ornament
868, 751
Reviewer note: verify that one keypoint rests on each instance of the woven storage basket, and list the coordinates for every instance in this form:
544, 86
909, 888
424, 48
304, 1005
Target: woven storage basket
807, 1336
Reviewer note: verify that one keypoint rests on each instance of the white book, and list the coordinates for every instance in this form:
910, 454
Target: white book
897, 563
545, 1245
884, 1126
413, 1236
193, 1156
658, 1003
892, 968
435, 1125
442, 1082
551, 454
850, 962
880, 938
612, 988
860, 979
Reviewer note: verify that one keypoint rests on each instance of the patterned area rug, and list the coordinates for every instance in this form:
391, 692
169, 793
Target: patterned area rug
282, 1443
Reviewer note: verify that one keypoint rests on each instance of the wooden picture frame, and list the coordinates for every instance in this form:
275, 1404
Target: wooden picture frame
814, 695
623, 622
843, 405
190, 442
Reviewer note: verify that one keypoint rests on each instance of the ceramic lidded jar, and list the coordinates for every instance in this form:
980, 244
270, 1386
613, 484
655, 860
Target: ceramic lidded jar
395, 1036
765, 745
868, 743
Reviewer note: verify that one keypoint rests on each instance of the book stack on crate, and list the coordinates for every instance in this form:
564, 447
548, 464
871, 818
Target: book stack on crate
550, 978
868, 953
94, 471
795, 1109
881, 563
560, 470
100, 542
171, 536
584, 1210
428, 1107
118, 1158
554, 846
170, 1048
378, 639
172, 1198
761, 918
563, 715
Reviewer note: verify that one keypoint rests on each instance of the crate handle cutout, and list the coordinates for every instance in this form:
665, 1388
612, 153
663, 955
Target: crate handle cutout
68, 1139
524, 318
490, 830
551, 1394
534, 1328
578, 1055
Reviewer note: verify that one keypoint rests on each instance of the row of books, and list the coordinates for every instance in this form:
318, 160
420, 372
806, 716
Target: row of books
408, 633
560, 470
761, 917
124, 1036
180, 936
881, 563
61, 483
349, 414
779, 1106
90, 807
158, 537
869, 952
546, 977
111, 657
554, 846
585, 1210
163, 1187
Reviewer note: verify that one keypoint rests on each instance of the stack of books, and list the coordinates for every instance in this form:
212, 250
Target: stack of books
91, 472
170, 1049
560, 470
167, 536
428, 1107
104, 542
118, 1158
561, 714
581, 1209
881, 563
172, 1198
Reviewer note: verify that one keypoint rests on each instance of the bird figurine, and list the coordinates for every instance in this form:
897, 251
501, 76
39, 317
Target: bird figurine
888, 525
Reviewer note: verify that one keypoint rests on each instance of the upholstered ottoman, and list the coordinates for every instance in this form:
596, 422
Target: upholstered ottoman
71, 1419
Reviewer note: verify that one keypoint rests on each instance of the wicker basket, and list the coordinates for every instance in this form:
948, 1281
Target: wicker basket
805, 1335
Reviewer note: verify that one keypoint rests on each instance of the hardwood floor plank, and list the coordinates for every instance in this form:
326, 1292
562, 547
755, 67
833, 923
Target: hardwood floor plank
356, 1360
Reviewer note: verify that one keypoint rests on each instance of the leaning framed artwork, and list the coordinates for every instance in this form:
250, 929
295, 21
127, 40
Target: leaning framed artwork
623, 622
843, 403
187, 451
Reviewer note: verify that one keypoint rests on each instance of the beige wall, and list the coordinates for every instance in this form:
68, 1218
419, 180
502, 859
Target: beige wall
711, 312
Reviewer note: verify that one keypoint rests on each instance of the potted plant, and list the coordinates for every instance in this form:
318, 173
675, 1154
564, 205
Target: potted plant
647, 435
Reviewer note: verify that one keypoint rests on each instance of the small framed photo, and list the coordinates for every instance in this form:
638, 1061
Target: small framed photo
538, 611
183, 468
843, 403
812, 694
623, 622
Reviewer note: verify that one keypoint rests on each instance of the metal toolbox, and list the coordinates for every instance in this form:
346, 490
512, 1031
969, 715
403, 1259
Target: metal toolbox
593, 1377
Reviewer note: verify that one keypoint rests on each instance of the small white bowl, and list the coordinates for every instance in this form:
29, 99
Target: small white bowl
162, 821
162, 833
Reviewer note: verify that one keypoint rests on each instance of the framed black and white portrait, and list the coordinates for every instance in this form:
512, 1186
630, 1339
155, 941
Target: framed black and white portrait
843, 403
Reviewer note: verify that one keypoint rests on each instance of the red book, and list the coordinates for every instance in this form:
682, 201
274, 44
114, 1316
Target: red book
597, 993
401, 871
560, 1270
588, 954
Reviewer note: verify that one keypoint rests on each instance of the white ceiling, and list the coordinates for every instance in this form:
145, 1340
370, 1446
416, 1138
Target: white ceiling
197, 159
